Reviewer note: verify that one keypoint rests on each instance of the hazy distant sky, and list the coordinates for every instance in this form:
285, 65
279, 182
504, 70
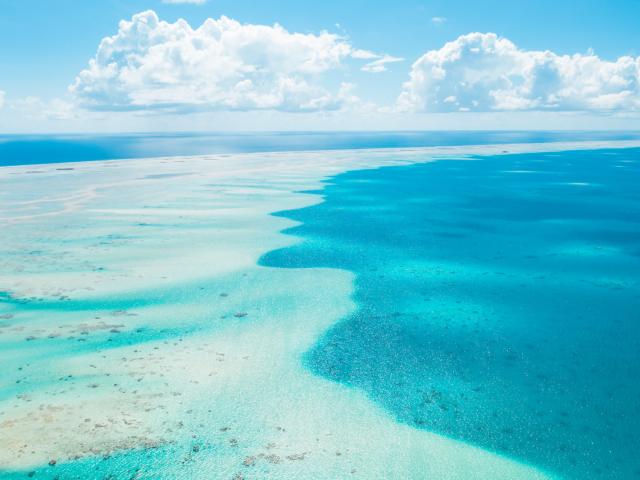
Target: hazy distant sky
116, 65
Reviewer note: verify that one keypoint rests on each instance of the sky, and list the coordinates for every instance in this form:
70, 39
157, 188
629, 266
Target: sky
164, 65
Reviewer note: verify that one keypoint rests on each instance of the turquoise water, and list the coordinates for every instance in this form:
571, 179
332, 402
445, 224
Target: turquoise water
477, 319
37, 149
498, 301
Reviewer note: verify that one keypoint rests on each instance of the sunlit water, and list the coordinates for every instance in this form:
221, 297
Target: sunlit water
498, 301
36, 149
477, 319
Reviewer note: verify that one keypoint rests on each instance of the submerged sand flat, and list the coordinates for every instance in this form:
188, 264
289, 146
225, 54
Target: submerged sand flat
138, 333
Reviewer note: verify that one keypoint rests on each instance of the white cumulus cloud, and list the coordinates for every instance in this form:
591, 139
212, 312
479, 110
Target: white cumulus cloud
221, 65
2, 94
484, 72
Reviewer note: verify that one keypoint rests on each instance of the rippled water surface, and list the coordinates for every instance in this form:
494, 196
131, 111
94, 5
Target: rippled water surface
478, 317
498, 301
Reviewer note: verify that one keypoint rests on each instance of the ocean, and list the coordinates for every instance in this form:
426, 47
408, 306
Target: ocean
498, 301
399, 305
35, 149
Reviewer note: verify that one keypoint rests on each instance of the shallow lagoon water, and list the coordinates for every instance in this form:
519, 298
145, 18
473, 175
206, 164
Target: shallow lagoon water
498, 301
142, 336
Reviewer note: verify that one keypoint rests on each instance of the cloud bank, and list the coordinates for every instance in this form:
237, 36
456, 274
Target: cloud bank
1, 98
221, 65
483, 72
155, 66
35, 107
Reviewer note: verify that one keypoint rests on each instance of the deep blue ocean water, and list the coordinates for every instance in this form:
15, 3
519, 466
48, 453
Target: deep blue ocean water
498, 301
36, 149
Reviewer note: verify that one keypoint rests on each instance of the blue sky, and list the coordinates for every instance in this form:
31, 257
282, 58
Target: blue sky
47, 43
